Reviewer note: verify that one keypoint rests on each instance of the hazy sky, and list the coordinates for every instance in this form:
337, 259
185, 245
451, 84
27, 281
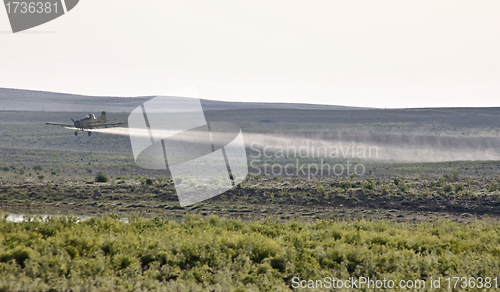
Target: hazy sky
393, 53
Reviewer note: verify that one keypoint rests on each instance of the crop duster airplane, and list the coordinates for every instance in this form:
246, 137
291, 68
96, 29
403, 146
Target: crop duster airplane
88, 123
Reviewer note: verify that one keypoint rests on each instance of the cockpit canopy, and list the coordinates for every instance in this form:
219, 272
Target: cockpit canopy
90, 117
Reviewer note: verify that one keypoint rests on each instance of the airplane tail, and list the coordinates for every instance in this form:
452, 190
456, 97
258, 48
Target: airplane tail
103, 116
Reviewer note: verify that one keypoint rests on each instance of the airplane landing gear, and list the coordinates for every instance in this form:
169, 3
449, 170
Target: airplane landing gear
76, 133
90, 133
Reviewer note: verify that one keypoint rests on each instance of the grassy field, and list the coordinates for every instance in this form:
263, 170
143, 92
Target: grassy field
47, 187
410, 221
106, 254
399, 220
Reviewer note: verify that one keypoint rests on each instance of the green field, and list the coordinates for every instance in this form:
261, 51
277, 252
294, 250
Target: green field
427, 207
106, 254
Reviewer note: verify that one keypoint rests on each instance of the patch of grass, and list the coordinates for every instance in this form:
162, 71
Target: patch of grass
162, 255
101, 177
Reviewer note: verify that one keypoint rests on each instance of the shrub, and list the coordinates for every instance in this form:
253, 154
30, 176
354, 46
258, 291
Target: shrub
107, 254
101, 177
494, 186
344, 184
472, 194
19, 254
369, 185
149, 181
447, 188
161, 180
122, 261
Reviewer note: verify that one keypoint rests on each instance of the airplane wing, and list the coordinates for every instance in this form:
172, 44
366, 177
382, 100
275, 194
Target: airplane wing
62, 125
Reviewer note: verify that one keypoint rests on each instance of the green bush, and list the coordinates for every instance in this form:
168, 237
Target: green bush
19, 254
344, 184
369, 185
101, 177
459, 187
494, 186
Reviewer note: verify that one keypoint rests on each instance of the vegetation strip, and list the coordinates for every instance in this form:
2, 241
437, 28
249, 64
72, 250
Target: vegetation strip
62, 254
